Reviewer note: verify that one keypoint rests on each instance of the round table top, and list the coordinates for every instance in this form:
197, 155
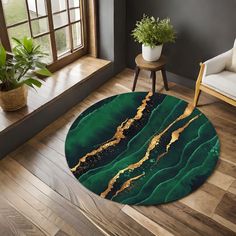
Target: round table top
148, 65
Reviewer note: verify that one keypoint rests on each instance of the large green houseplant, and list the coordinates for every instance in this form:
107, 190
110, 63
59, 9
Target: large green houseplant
18, 70
152, 33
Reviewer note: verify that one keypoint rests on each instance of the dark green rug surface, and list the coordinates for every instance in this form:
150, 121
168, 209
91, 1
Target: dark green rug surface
143, 149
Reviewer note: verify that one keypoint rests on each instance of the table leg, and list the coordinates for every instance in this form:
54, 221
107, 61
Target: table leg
153, 76
137, 70
163, 71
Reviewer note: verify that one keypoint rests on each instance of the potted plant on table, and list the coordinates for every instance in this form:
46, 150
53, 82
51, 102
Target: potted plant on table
18, 70
153, 33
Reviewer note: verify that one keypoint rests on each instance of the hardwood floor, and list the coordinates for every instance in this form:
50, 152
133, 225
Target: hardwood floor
40, 196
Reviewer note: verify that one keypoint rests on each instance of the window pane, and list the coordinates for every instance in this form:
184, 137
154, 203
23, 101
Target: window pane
74, 3
62, 40
39, 26
76, 32
60, 20
15, 11
75, 15
45, 46
19, 32
58, 5
37, 8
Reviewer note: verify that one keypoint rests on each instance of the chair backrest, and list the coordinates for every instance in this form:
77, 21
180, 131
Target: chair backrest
233, 65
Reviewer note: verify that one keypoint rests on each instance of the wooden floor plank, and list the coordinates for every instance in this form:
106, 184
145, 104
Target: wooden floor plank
26, 209
48, 208
221, 180
61, 233
45, 194
232, 188
180, 219
13, 223
99, 210
143, 220
227, 168
124, 222
221, 220
227, 208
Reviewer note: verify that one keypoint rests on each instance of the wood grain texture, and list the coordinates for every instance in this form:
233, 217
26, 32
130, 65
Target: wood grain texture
60, 82
152, 66
61, 233
225, 208
92, 28
13, 223
232, 188
40, 191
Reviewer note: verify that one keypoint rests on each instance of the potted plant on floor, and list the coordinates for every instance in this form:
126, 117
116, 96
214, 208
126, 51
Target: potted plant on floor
152, 33
18, 70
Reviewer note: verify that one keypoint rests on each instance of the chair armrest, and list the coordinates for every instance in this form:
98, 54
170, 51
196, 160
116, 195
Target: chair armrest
218, 63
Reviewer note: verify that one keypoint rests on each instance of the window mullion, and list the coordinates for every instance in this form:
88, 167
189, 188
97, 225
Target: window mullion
3, 30
83, 24
36, 8
29, 22
70, 26
51, 30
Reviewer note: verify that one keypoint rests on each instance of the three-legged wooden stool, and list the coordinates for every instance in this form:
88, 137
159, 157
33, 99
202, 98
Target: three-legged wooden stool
153, 67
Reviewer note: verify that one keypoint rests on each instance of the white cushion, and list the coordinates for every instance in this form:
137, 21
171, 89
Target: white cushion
219, 63
224, 83
232, 64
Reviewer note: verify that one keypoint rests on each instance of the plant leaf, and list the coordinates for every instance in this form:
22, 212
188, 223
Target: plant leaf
17, 41
32, 82
40, 65
3, 55
28, 44
44, 72
152, 32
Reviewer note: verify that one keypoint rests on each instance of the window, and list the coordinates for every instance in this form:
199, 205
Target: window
57, 25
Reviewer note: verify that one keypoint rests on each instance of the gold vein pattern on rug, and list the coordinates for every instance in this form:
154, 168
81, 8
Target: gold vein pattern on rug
119, 135
142, 148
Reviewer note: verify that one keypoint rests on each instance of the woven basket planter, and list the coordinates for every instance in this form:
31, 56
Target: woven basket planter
14, 99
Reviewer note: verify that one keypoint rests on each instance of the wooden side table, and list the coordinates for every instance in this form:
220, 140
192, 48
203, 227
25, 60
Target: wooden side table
153, 67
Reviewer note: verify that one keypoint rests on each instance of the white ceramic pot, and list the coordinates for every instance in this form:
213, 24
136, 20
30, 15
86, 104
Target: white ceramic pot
151, 54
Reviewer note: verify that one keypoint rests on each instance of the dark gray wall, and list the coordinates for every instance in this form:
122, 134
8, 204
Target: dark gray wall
106, 29
112, 32
205, 28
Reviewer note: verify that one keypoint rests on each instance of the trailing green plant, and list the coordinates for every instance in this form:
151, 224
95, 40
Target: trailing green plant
153, 32
22, 66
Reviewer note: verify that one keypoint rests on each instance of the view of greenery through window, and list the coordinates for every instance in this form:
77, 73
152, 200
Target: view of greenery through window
16, 12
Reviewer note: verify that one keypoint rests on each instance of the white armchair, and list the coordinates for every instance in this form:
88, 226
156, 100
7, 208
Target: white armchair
215, 79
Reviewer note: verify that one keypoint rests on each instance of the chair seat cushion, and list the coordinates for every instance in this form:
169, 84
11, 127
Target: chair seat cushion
224, 83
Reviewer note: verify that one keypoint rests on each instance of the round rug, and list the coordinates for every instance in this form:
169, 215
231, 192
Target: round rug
142, 148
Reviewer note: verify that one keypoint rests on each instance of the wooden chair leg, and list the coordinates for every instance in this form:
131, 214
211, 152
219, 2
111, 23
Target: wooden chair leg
137, 70
163, 71
197, 95
153, 76
198, 84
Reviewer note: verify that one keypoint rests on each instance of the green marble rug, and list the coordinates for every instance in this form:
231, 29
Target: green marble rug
142, 149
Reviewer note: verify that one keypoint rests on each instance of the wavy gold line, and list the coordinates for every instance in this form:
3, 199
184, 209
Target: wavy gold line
175, 136
153, 143
127, 184
119, 135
